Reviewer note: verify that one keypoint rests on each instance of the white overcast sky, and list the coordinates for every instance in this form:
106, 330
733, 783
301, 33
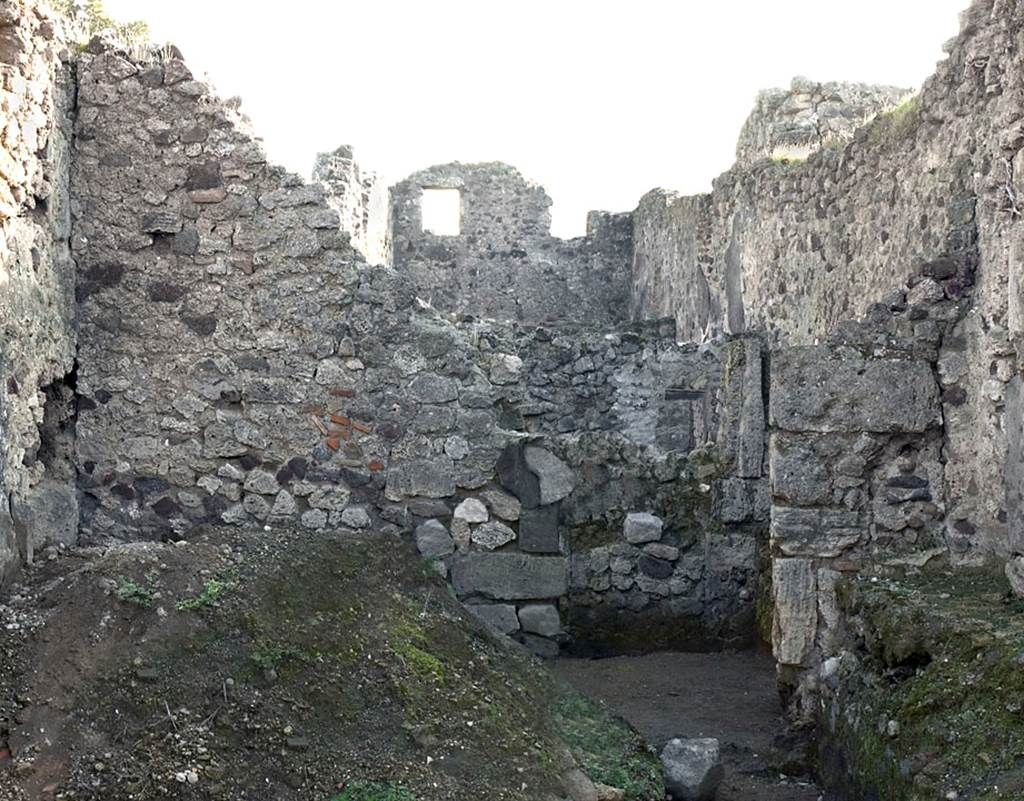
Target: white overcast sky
599, 101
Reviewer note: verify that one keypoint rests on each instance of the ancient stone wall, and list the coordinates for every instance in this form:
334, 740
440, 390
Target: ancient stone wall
503, 262
361, 200
793, 123
790, 249
37, 340
856, 464
241, 363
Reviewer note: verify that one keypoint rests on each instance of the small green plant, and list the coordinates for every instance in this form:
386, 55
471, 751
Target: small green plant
607, 750
95, 19
373, 791
212, 590
134, 593
897, 122
270, 656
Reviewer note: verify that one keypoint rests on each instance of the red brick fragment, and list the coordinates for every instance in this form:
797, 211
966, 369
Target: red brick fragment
343, 392
333, 443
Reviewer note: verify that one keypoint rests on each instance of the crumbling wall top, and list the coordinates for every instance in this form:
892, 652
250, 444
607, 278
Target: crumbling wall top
795, 122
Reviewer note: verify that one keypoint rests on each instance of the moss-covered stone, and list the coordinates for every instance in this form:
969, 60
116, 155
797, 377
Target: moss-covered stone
931, 699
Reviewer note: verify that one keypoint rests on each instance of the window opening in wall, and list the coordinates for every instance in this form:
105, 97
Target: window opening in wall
441, 211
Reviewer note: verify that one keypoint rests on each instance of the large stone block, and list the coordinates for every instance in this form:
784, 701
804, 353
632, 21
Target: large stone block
794, 587
821, 533
641, 527
510, 576
542, 619
47, 514
824, 388
538, 530
500, 617
742, 426
556, 478
428, 478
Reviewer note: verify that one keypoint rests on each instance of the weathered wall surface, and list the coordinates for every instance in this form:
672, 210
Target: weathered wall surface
668, 519
856, 464
361, 200
504, 263
240, 363
795, 122
37, 342
791, 249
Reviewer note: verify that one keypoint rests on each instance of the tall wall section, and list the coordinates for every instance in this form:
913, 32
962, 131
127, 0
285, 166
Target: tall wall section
241, 364
503, 262
792, 248
37, 338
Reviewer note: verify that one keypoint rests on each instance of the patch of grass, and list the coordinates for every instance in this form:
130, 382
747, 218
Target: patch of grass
212, 590
95, 20
897, 122
374, 791
607, 750
134, 593
271, 656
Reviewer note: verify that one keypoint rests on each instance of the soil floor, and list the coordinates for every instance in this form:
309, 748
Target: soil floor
731, 696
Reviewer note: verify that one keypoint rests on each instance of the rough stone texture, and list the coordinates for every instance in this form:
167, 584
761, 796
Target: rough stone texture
433, 539
500, 617
504, 263
796, 610
238, 360
795, 122
361, 201
693, 768
642, 527
823, 388
509, 576
791, 249
857, 472
37, 286
540, 619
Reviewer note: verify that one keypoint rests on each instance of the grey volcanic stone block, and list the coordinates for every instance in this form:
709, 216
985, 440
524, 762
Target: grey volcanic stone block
515, 476
824, 388
541, 646
429, 478
821, 533
432, 388
642, 527
492, 535
693, 769
500, 617
538, 530
433, 539
556, 478
542, 619
48, 514
795, 592
510, 576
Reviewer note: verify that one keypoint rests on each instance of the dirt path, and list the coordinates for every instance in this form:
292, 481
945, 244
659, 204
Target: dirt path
728, 696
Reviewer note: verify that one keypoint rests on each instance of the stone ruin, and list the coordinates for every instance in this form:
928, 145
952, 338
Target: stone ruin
704, 414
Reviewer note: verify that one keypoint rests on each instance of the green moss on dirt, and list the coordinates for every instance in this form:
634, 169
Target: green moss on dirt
374, 791
334, 665
606, 750
945, 663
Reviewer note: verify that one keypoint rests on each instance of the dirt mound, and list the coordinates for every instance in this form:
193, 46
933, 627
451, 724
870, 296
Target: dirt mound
276, 665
